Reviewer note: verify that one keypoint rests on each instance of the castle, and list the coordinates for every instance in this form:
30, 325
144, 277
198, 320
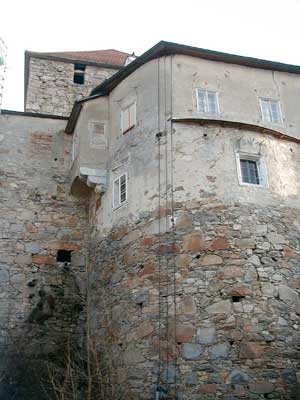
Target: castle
152, 210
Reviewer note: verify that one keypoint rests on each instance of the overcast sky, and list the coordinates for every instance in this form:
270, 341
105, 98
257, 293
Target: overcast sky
266, 29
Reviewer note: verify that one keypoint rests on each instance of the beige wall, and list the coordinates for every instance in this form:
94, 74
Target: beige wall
204, 167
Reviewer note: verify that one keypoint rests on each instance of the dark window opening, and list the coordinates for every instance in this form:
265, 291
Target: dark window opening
237, 299
78, 77
63, 256
250, 171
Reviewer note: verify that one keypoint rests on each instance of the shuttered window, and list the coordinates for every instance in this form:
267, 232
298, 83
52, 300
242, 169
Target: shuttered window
120, 191
271, 111
207, 101
128, 117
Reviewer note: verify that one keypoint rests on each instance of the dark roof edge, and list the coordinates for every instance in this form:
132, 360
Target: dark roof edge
71, 60
237, 124
168, 48
32, 114
72, 120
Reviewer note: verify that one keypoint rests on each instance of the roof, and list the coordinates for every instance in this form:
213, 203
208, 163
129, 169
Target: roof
168, 48
100, 58
109, 57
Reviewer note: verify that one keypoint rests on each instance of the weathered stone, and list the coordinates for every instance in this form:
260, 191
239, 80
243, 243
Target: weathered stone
184, 332
240, 291
183, 260
211, 259
287, 294
231, 272
43, 259
261, 387
219, 243
133, 355
251, 274
189, 305
276, 238
117, 277
208, 388
184, 221
206, 335
238, 377
221, 307
191, 351
267, 289
246, 243
193, 242
220, 350
142, 331
250, 350
254, 260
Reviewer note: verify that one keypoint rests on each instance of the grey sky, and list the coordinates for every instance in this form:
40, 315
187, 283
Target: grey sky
259, 28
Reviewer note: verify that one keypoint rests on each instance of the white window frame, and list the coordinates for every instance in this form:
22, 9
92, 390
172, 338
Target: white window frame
206, 100
261, 99
261, 169
117, 204
131, 124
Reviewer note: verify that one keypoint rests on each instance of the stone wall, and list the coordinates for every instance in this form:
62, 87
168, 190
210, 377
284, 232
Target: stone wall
42, 299
236, 269
51, 89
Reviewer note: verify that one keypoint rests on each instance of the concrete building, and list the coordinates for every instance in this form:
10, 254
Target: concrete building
171, 197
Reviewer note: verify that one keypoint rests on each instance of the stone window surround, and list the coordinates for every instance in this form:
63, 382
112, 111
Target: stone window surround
261, 168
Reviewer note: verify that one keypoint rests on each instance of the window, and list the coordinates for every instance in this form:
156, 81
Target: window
120, 191
97, 134
270, 110
207, 101
128, 117
78, 77
251, 169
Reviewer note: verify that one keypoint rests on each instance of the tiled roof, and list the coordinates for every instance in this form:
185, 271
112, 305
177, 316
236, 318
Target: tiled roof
111, 57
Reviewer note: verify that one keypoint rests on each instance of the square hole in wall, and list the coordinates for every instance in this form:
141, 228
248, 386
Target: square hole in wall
63, 256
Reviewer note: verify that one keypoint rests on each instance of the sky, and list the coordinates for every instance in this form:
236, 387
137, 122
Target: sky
267, 29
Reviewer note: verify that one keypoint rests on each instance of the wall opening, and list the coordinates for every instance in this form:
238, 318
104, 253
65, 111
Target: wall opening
78, 77
63, 256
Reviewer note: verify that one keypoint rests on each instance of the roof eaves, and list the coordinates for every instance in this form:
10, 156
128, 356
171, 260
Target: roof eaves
44, 56
168, 48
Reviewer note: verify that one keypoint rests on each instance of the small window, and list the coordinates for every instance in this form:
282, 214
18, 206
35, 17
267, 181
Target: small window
120, 191
207, 101
128, 117
251, 169
78, 77
97, 134
270, 110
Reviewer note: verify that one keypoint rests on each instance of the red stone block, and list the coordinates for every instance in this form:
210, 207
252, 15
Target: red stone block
43, 259
219, 243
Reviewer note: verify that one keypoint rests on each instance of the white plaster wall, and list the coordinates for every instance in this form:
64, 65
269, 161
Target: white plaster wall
239, 89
